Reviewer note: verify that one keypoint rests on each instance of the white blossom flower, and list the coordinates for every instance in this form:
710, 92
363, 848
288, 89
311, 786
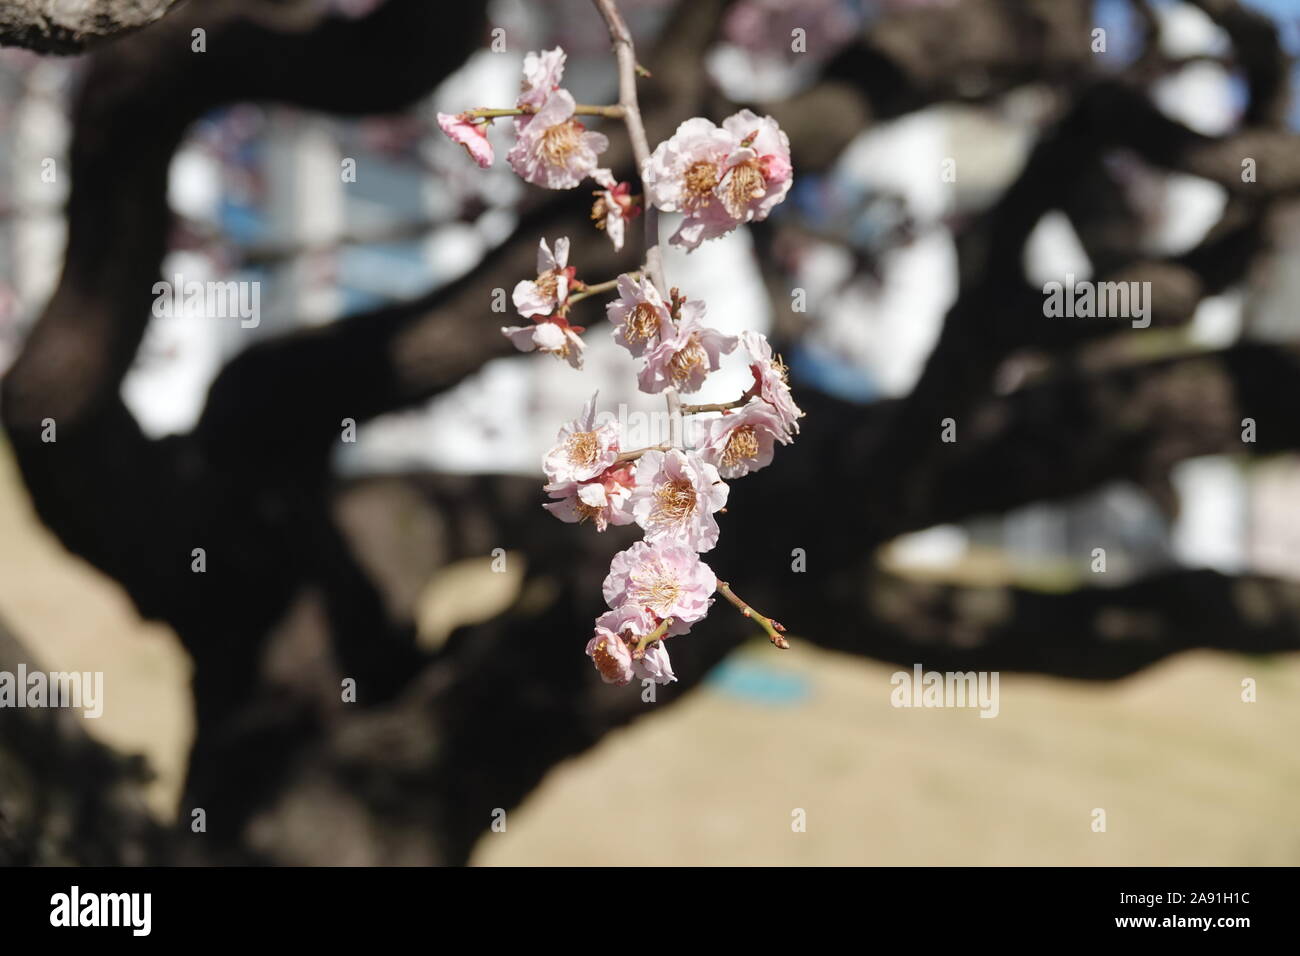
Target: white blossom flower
552, 334
470, 133
743, 441
639, 316
550, 290
675, 497
554, 149
719, 177
686, 357
613, 647
666, 580
772, 380
542, 74
585, 449
604, 501
613, 207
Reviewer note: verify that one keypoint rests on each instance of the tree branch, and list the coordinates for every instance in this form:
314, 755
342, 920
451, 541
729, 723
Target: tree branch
65, 28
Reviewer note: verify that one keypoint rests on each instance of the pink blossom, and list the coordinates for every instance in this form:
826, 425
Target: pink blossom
613, 207
542, 74
771, 379
675, 497
550, 290
612, 649
719, 177
472, 135
683, 171
554, 149
551, 334
666, 580
683, 174
759, 173
686, 356
655, 665
741, 442
603, 501
584, 449
639, 316
610, 653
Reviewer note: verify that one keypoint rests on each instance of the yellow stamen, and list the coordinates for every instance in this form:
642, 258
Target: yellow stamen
700, 180
548, 283
658, 591
642, 323
606, 662
583, 447
559, 141
745, 183
741, 446
675, 500
683, 364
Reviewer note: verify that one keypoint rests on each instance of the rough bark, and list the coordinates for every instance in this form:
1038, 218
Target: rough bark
50, 26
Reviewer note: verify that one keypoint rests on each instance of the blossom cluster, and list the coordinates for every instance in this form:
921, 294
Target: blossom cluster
659, 587
717, 178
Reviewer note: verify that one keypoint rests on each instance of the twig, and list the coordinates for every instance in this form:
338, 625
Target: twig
638, 452
628, 69
581, 109
720, 406
646, 640
588, 290
773, 628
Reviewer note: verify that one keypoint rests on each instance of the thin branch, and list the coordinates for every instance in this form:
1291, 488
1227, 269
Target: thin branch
638, 452
65, 28
721, 406
588, 290
581, 109
1089, 633
771, 627
628, 69
646, 640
